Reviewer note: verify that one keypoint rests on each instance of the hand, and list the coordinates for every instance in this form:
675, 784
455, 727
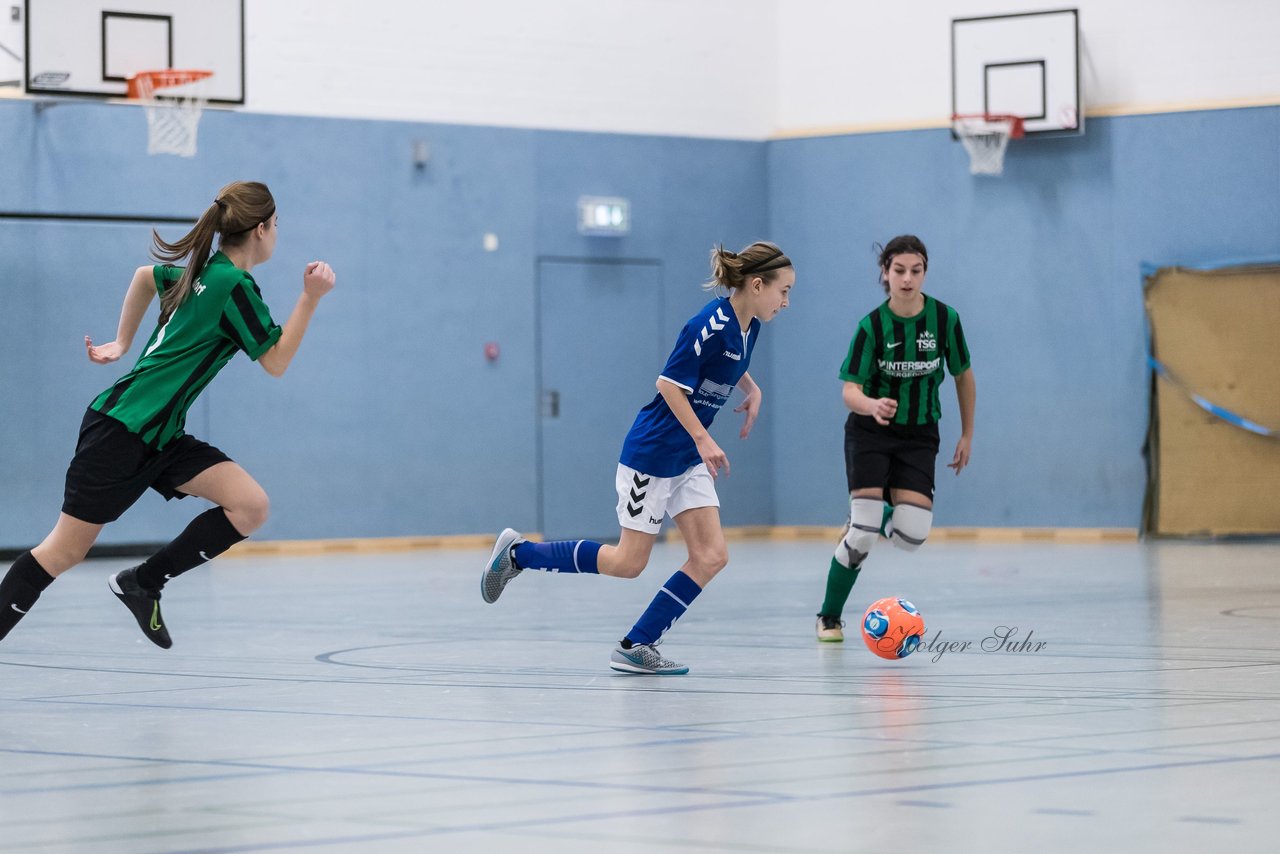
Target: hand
961, 458
750, 405
884, 410
712, 456
103, 354
318, 279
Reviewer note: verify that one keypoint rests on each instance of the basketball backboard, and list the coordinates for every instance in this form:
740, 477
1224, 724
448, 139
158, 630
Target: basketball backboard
11, 43
90, 47
1025, 65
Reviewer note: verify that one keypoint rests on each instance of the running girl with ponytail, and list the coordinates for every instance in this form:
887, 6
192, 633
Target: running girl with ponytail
669, 461
133, 438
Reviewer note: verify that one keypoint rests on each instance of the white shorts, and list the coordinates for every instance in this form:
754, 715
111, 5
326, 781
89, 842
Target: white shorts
643, 499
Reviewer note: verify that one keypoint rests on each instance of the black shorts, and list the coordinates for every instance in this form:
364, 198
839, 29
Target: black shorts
898, 456
113, 467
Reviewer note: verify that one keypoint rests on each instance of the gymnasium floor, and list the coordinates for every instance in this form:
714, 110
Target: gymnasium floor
375, 704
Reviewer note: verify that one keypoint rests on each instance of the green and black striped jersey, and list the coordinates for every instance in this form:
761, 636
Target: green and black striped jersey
223, 313
903, 358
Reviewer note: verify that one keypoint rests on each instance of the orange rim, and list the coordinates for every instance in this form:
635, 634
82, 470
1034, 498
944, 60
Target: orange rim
1016, 128
153, 81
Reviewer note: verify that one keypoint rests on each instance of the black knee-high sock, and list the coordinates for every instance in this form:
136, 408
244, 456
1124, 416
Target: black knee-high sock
20, 589
209, 535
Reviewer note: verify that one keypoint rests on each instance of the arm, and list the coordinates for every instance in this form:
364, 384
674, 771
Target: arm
136, 300
750, 404
678, 402
317, 281
967, 397
882, 409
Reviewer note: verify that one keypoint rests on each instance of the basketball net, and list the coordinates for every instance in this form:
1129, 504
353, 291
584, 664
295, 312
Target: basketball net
173, 100
986, 137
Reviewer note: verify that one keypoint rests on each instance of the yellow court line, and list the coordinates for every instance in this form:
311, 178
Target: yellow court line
784, 533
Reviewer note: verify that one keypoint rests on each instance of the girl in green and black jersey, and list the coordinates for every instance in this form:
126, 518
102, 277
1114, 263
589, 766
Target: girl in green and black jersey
891, 378
133, 438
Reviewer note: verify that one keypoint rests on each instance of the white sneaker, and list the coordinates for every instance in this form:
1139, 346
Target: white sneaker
643, 658
501, 567
830, 629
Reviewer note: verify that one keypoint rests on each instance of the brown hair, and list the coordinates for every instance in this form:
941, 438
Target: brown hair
733, 269
236, 211
903, 244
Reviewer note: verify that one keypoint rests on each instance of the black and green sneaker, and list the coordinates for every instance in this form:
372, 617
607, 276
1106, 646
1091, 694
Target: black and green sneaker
144, 603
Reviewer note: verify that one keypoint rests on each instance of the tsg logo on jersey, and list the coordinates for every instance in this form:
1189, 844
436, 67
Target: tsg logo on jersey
715, 323
926, 341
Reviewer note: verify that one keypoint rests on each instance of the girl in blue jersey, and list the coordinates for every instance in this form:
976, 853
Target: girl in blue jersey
669, 461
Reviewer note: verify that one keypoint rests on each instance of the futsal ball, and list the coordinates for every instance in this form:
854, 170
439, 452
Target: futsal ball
892, 628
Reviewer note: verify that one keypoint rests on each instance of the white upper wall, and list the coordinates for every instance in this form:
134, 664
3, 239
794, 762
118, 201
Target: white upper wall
745, 69
857, 65
684, 67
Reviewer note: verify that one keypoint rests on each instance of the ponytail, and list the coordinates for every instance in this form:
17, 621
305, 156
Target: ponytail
733, 269
238, 209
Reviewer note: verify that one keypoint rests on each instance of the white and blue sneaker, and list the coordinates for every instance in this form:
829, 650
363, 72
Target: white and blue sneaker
642, 658
501, 567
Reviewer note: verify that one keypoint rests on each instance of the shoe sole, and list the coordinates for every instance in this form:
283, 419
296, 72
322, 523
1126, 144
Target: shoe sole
503, 542
830, 640
632, 670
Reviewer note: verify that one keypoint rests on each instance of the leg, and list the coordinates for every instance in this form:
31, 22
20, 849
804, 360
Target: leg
66, 545
242, 509
866, 514
641, 498
912, 519
629, 557
700, 527
244, 502
33, 571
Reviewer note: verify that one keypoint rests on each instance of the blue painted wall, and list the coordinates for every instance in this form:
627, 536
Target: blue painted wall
391, 422
1043, 265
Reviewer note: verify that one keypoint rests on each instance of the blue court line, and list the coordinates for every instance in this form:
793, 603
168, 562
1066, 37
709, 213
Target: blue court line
416, 775
116, 784
479, 828
527, 824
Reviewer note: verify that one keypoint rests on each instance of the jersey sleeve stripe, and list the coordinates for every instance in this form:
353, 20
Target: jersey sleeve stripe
960, 364
687, 389
252, 322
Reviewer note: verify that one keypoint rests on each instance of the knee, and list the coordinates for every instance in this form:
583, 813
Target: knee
628, 565
910, 526
863, 531
706, 563
251, 512
59, 559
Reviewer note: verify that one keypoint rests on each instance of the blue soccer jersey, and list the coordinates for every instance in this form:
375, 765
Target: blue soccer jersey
710, 356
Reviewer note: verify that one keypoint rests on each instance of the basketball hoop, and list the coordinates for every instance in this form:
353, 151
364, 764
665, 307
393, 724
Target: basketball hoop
174, 116
985, 137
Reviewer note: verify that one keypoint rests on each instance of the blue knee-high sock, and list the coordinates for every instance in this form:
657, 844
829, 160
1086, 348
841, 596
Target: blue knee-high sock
672, 601
560, 556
